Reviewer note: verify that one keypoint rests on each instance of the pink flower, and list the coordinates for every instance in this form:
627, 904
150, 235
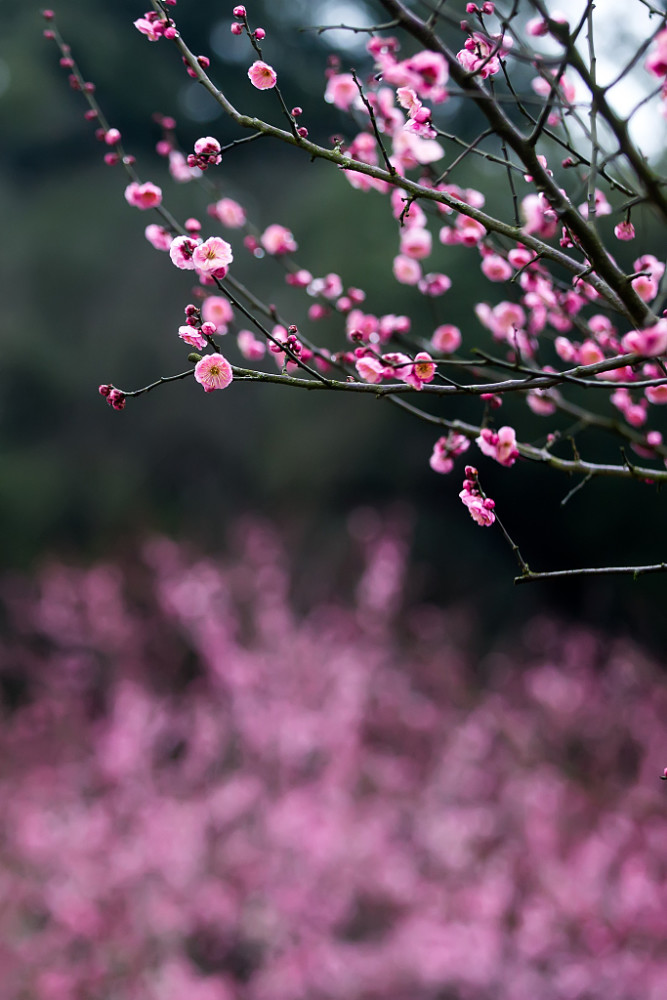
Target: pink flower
650, 342
370, 369
434, 284
192, 336
656, 394
602, 206
424, 367
419, 117
411, 150
213, 255
277, 240
416, 243
181, 250
179, 169
143, 195
213, 372
406, 270
590, 353
158, 237
208, 153
624, 231
539, 217
656, 62
540, 402
645, 287
152, 29
250, 347
430, 74
262, 75
331, 286
217, 310
229, 213
341, 91
469, 231
446, 338
496, 268
445, 450
481, 54
501, 445
480, 508
411, 217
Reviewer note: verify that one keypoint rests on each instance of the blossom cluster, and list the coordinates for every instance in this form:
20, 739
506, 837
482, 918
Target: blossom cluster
208, 795
550, 303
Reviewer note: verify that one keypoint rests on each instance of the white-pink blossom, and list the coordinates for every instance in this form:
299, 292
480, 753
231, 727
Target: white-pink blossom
158, 236
181, 251
262, 76
213, 372
406, 270
229, 213
342, 91
213, 255
216, 309
250, 346
650, 342
143, 196
278, 240
446, 338
500, 445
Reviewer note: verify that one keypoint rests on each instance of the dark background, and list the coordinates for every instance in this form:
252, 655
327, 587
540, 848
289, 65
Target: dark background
87, 300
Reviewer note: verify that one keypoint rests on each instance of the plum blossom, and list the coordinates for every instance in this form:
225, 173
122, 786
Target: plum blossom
406, 270
181, 251
430, 74
634, 412
143, 196
480, 508
410, 150
496, 268
624, 231
278, 240
416, 243
656, 61
424, 368
446, 338
370, 368
419, 117
208, 153
342, 91
250, 346
212, 256
262, 76
213, 372
410, 213
651, 341
602, 206
192, 336
445, 451
228, 212
434, 284
500, 445
482, 55
158, 237
216, 309
179, 169
538, 216
541, 402
151, 27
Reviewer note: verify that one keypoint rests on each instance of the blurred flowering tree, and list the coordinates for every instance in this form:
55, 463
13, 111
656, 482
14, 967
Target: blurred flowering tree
206, 796
575, 337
